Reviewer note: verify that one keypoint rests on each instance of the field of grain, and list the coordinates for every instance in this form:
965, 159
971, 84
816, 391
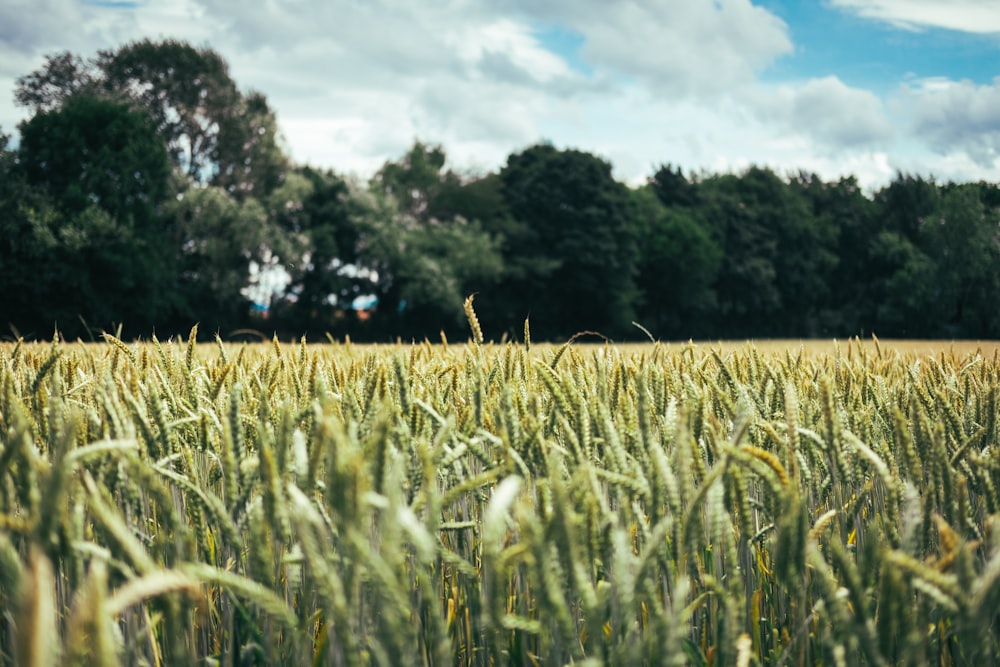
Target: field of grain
773, 503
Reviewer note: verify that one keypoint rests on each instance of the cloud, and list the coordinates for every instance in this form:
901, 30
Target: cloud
34, 27
122, 4
481, 78
956, 116
975, 16
477, 84
407, 37
514, 43
640, 83
31, 29
678, 48
837, 115
181, 19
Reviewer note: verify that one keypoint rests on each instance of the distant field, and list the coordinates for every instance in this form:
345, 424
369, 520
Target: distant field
828, 346
766, 503
773, 345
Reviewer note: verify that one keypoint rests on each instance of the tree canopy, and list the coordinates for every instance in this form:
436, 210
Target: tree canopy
213, 132
82, 210
574, 240
148, 190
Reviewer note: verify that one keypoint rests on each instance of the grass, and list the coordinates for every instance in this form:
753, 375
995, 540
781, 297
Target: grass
476, 504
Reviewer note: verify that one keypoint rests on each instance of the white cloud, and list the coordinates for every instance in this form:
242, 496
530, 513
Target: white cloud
28, 26
353, 83
171, 17
827, 109
31, 29
479, 79
956, 116
701, 46
513, 42
639, 131
479, 85
977, 16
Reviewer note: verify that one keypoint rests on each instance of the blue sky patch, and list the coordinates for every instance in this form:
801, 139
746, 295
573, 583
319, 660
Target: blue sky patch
876, 55
116, 4
565, 43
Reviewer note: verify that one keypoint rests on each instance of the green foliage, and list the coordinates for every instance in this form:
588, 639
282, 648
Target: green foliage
677, 268
423, 268
415, 181
962, 239
779, 256
214, 133
741, 219
96, 152
843, 207
148, 178
908, 291
672, 188
64, 76
26, 238
575, 239
85, 224
315, 209
217, 236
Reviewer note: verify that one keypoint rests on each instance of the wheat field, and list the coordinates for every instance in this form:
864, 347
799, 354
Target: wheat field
168, 503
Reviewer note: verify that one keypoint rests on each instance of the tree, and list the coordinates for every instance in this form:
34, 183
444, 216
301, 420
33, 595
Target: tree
845, 212
473, 197
746, 288
217, 238
806, 258
64, 76
221, 144
677, 267
902, 274
27, 244
962, 238
673, 188
105, 176
415, 236
906, 203
250, 160
315, 207
214, 134
778, 256
575, 242
906, 307
415, 180
423, 271
94, 151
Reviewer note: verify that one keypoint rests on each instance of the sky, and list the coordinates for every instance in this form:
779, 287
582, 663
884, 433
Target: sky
868, 88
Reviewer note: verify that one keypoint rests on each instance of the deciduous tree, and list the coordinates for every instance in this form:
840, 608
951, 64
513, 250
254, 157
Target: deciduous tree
575, 241
677, 268
214, 133
105, 175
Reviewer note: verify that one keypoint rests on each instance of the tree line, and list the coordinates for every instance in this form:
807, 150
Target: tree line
148, 192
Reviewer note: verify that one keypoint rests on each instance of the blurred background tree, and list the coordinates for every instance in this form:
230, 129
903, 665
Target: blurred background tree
574, 240
95, 174
147, 189
157, 166
677, 267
